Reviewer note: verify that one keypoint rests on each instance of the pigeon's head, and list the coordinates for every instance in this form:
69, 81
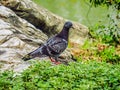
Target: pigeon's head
68, 24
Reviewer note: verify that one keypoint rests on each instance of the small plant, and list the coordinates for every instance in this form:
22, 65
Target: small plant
90, 75
97, 51
108, 54
115, 3
110, 32
106, 34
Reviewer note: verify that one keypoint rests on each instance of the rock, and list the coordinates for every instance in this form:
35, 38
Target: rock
17, 37
48, 22
14, 42
24, 26
5, 32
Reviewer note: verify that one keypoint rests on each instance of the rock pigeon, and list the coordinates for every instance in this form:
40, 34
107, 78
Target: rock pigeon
53, 47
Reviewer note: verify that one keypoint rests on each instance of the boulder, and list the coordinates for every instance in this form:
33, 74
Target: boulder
24, 26
17, 38
43, 19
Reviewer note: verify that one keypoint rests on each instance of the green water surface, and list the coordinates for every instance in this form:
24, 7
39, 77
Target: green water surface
76, 10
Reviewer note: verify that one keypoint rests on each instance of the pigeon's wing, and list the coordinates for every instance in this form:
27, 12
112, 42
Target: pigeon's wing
56, 46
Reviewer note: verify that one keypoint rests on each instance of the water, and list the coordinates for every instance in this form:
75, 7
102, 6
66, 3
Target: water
77, 10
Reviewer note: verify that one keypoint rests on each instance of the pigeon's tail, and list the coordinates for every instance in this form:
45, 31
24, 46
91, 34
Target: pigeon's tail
36, 53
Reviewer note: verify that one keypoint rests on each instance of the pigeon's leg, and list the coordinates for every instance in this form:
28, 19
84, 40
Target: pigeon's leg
52, 60
56, 61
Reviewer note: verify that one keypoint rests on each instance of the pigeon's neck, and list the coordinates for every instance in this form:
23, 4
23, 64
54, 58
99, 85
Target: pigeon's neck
64, 33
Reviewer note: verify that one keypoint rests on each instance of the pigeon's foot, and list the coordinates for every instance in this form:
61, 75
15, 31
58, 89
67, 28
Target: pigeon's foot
52, 60
57, 63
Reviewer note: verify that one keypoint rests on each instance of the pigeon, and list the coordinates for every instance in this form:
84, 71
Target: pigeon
53, 46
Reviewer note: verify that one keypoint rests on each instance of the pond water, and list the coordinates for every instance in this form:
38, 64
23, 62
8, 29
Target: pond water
76, 10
